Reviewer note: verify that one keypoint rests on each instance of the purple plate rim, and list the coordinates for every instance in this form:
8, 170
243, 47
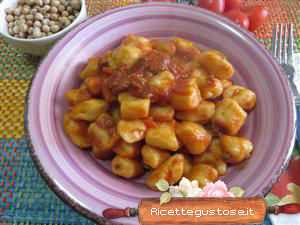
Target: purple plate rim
56, 48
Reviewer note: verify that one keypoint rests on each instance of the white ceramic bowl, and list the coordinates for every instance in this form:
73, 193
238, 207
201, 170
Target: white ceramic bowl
39, 46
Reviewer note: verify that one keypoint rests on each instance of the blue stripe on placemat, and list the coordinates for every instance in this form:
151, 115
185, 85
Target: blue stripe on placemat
25, 196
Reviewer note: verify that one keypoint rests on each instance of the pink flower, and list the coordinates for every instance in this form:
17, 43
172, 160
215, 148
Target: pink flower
216, 190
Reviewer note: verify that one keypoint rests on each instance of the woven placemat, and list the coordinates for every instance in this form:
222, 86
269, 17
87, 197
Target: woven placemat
24, 196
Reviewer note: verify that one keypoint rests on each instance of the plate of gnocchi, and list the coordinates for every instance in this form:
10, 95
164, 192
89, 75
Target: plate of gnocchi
157, 91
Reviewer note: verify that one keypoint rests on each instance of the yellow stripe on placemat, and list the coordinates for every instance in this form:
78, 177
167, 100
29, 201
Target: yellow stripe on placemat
12, 101
96, 7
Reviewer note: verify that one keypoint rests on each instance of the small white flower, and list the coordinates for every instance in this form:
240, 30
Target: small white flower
196, 192
175, 192
195, 184
185, 186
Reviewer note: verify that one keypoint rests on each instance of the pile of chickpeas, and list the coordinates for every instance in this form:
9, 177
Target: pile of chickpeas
32, 19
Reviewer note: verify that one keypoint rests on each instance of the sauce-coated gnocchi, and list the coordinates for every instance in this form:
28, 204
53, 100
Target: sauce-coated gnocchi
163, 106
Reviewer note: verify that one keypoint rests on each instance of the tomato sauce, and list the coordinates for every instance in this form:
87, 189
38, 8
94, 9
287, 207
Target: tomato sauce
136, 79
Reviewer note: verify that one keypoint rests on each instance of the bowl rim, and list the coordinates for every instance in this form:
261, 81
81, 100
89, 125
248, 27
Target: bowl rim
83, 12
79, 207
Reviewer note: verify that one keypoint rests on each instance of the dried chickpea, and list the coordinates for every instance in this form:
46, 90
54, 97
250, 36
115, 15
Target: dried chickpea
127, 168
36, 11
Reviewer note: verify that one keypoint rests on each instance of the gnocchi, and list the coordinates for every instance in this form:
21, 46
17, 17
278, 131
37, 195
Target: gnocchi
88, 110
127, 168
153, 157
135, 109
162, 82
216, 64
131, 131
229, 116
75, 96
163, 106
171, 170
162, 113
243, 96
77, 131
211, 89
103, 136
125, 55
186, 95
203, 173
163, 136
237, 149
126, 150
94, 85
194, 137
91, 69
202, 114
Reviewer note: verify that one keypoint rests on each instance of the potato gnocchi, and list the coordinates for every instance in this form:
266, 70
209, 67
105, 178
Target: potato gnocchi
163, 106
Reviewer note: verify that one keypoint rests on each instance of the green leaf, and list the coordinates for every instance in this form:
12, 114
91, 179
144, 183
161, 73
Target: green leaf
237, 191
272, 199
162, 185
165, 198
184, 193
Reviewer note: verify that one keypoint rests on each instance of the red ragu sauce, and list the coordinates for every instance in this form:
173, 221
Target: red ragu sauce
135, 80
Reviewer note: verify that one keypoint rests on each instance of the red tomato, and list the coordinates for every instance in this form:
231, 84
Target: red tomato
257, 16
216, 6
291, 175
159, 1
238, 17
232, 4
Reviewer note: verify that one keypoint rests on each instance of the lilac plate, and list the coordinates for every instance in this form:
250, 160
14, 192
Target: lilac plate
87, 184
